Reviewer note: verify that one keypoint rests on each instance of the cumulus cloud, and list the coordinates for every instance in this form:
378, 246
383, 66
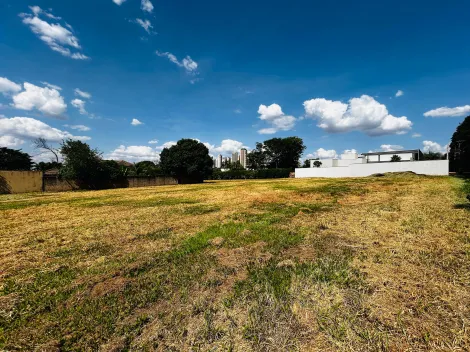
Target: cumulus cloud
273, 115
433, 147
390, 147
363, 114
416, 135
10, 141
145, 24
119, 2
165, 145
81, 128
7, 86
187, 63
29, 128
82, 94
448, 112
47, 100
146, 5
52, 86
153, 141
134, 153
58, 38
36, 10
226, 147
323, 154
136, 122
399, 93
80, 105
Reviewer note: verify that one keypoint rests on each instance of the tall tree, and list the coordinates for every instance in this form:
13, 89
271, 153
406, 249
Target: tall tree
84, 165
188, 161
44, 166
459, 154
284, 152
41, 144
257, 158
14, 160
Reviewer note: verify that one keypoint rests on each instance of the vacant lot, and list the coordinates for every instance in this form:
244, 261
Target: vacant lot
379, 263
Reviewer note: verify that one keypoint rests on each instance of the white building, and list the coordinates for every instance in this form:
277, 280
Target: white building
234, 157
218, 161
353, 165
243, 153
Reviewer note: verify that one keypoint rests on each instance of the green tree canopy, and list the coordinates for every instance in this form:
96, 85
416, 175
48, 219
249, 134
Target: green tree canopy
459, 154
284, 152
395, 158
15, 160
257, 158
44, 166
188, 161
147, 168
85, 166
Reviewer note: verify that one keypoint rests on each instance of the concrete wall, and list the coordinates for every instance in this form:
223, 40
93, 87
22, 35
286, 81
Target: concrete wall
428, 167
20, 181
53, 184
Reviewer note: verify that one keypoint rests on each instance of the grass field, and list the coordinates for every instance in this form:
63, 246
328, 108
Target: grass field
378, 263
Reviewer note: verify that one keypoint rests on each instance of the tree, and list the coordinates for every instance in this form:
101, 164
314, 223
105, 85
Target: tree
147, 168
284, 152
188, 161
432, 156
395, 158
41, 144
44, 166
15, 160
317, 163
257, 158
84, 165
306, 164
459, 154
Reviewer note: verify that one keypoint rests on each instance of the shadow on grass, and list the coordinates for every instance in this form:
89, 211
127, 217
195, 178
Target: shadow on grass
462, 206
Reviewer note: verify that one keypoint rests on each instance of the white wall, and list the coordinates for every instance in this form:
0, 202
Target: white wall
428, 167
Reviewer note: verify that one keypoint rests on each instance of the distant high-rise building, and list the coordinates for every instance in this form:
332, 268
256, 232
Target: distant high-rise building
218, 162
243, 153
234, 157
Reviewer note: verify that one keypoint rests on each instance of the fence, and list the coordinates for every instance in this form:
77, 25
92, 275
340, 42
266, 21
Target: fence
35, 181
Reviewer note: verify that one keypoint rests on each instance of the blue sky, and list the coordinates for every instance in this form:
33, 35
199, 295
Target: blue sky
212, 71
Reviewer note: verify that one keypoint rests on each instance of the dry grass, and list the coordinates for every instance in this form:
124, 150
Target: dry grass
310, 265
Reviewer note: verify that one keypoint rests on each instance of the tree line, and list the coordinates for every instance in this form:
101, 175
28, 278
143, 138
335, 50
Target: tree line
189, 161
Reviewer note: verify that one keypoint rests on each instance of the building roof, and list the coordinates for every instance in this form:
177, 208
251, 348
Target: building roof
394, 152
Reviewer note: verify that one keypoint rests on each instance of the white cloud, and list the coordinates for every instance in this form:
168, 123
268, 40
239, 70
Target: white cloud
134, 153
187, 63
226, 147
363, 114
433, 147
145, 24
82, 128
136, 122
416, 135
399, 93
52, 86
146, 5
55, 36
273, 115
324, 154
449, 112
349, 151
38, 11
153, 141
10, 141
47, 100
80, 105
7, 86
118, 2
29, 128
165, 145
390, 147
237, 111
82, 94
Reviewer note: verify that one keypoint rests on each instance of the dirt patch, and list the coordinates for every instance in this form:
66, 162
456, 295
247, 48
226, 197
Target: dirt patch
240, 257
115, 284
